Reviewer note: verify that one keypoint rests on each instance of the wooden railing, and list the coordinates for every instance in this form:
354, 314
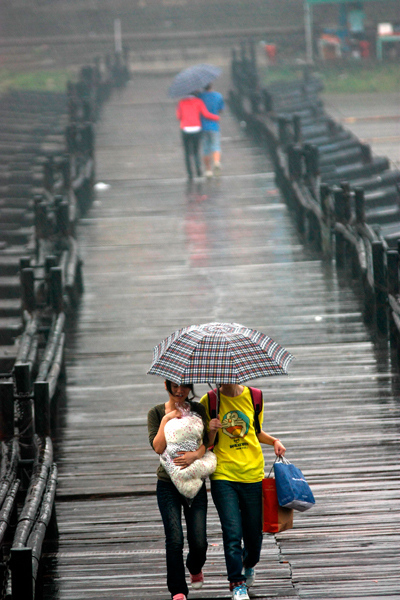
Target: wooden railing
51, 283
329, 180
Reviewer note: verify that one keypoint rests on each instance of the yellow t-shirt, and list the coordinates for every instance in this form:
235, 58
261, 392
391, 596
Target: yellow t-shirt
238, 451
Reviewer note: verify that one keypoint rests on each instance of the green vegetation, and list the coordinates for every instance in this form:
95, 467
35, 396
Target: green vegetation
38, 80
349, 77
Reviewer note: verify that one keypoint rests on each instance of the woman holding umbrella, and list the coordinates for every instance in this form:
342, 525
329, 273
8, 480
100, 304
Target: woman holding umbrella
189, 112
171, 502
187, 85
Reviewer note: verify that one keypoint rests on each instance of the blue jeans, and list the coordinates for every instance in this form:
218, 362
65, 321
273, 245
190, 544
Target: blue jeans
239, 507
211, 142
170, 503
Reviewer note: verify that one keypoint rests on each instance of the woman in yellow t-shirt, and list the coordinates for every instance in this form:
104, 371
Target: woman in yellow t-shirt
236, 484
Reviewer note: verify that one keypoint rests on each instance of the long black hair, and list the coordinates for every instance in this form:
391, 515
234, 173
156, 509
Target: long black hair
168, 385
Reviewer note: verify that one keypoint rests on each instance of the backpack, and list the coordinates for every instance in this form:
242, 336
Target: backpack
256, 397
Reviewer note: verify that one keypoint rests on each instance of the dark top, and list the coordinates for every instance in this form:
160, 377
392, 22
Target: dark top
154, 418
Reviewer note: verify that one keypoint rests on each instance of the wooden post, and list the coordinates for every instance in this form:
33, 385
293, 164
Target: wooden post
378, 260
283, 131
79, 277
267, 100
70, 138
21, 574
28, 300
48, 172
24, 263
40, 218
311, 158
324, 197
41, 399
296, 121
87, 136
326, 228
255, 103
62, 218
234, 67
22, 376
295, 163
392, 257
65, 169
359, 200
49, 262
87, 110
6, 410
56, 289
25, 421
340, 215
41, 223
346, 200
253, 57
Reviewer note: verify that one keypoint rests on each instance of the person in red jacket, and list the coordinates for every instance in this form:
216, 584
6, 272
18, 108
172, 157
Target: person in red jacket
188, 113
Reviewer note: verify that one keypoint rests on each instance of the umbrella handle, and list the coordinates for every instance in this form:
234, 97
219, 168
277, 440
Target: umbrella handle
214, 412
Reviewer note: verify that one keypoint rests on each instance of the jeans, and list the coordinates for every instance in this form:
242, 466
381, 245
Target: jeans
191, 145
170, 503
210, 141
239, 507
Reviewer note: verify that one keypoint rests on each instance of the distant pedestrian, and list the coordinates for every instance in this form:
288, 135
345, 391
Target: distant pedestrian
189, 112
211, 135
236, 484
171, 502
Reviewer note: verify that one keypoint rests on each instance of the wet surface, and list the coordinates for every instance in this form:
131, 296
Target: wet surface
159, 255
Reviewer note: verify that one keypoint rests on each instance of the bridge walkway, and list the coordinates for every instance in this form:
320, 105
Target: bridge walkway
160, 254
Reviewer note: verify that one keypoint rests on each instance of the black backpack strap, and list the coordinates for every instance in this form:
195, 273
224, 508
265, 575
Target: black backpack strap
257, 399
213, 409
212, 404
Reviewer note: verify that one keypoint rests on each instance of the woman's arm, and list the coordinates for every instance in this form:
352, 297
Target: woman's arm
159, 442
265, 438
206, 113
184, 459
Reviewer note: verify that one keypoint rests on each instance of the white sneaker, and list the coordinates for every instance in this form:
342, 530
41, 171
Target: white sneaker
240, 592
208, 173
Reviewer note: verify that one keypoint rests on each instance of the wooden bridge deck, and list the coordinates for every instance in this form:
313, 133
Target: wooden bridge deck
158, 256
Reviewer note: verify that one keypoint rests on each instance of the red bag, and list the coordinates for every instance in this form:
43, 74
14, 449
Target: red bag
275, 518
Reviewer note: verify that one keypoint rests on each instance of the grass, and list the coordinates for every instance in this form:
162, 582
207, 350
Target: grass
36, 80
350, 78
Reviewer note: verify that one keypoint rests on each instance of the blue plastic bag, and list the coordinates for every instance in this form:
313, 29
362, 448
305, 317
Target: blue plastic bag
291, 486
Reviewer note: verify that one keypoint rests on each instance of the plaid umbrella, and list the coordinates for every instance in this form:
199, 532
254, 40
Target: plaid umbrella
218, 352
192, 79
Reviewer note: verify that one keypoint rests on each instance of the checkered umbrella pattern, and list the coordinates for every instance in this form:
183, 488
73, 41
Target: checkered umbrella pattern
193, 79
220, 353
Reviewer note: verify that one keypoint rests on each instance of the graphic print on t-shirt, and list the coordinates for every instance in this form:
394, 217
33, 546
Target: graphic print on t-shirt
235, 424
